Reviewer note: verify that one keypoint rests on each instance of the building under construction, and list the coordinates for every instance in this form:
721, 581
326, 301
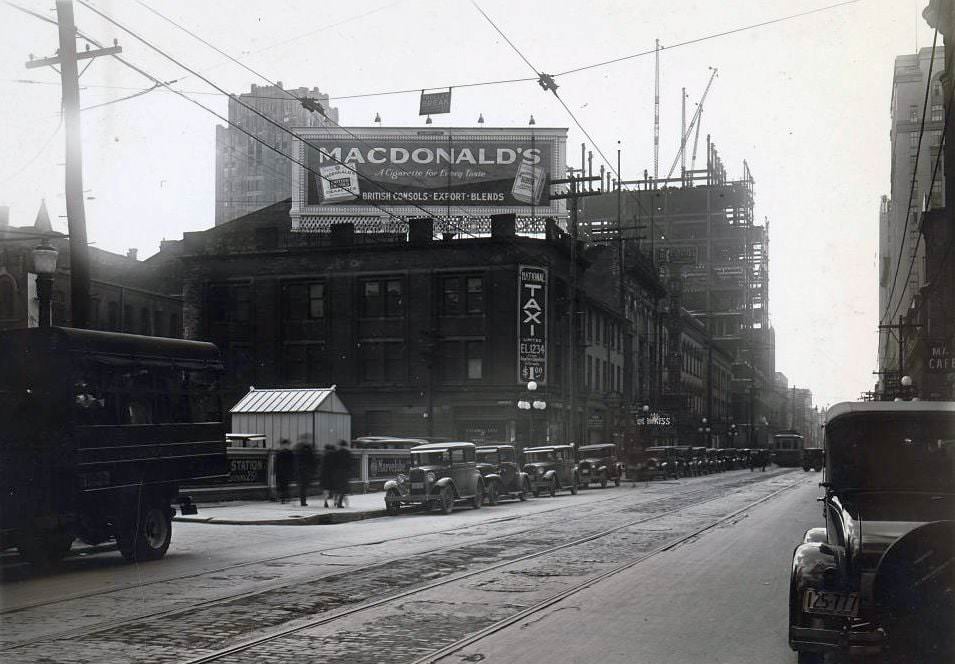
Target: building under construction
710, 251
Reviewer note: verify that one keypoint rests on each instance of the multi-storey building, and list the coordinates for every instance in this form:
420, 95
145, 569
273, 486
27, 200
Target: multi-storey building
126, 294
249, 175
917, 187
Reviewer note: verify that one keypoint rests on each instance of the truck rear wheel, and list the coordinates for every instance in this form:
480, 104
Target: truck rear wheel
149, 537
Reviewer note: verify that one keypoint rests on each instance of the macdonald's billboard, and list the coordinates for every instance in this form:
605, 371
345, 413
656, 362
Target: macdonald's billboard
407, 171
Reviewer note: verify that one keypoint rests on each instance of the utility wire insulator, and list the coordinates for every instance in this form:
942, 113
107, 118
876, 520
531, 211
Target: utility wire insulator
546, 81
311, 104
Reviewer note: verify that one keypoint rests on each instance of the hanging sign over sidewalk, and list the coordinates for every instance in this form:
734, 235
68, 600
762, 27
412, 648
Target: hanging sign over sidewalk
434, 103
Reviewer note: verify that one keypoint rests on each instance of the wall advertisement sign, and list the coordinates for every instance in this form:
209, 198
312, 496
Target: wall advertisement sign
532, 324
467, 171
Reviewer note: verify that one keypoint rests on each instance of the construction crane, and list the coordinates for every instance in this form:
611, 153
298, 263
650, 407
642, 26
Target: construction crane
694, 123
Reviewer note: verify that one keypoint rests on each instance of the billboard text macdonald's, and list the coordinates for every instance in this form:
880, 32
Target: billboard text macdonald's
484, 168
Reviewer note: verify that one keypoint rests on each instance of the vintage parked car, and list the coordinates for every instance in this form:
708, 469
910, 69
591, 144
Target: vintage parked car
878, 579
438, 475
598, 463
813, 458
662, 462
551, 469
503, 477
686, 461
715, 460
701, 464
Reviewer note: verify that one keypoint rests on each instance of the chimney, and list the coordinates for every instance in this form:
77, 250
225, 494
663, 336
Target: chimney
131, 253
420, 230
343, 235
4, 216
502, 225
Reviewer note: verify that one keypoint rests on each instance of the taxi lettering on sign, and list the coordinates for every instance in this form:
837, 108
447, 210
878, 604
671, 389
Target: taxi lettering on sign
532, 324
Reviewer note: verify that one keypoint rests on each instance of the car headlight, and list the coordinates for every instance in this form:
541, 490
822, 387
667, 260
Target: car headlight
429, 477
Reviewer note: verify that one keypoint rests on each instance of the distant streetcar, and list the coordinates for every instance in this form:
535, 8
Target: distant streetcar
786, 449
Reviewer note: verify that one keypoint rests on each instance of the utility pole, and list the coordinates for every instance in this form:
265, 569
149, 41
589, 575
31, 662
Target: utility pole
656, 112
67, 59
574, 193
683, 135
900, 326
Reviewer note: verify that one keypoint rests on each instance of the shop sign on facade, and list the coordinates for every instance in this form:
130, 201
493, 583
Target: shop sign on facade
532, 324
940, 359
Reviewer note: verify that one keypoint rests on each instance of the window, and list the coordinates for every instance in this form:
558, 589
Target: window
913, 113
462, 295
382, 298
112, 316
914, 141
305, 301
382, 361
157, 323
229, 303
462, 360
304, 363
589, 370
938, 112
144, 321
7, 290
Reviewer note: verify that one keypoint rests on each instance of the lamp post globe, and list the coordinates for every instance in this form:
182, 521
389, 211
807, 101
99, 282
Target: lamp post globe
44, 265
532, 385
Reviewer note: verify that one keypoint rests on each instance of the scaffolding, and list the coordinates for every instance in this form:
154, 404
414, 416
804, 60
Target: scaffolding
701, 228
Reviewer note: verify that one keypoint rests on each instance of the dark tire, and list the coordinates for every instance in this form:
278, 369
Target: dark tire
616, 481
525, 489
392, 502
492, 493
478, 498
149, 538
803, 657
553, 486
537, 492
446, 500
603, 480
44, 549
573, 486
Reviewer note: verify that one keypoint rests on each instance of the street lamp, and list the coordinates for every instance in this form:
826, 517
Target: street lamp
531, 406
44, 265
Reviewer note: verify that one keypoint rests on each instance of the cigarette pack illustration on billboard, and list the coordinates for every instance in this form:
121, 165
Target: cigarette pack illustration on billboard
457, 171
529, 183
339, 183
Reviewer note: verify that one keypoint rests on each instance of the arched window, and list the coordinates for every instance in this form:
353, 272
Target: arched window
8, 294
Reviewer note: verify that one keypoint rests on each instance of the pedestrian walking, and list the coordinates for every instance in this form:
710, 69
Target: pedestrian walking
343, 468
327, 474
304, 469
284, 468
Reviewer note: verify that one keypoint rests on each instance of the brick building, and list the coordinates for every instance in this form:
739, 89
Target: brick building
418, 334
126, 294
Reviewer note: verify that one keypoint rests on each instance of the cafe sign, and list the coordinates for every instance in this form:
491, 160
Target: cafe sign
532, 324
940, 359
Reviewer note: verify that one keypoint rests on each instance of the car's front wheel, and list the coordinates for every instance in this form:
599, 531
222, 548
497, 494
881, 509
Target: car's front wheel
525, 489
446, 500
492, 493
478, 498
392, 502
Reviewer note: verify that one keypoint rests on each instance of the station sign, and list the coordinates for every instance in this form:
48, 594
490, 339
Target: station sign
532, 324
460, 172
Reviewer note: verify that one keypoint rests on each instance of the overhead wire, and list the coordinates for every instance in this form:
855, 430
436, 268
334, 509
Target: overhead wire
42, 150
908, 209
253, 110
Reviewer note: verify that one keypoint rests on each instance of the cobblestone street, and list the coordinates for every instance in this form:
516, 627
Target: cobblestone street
397, 595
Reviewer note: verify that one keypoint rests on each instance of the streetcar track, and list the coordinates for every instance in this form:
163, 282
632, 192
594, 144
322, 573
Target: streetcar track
267, 587
218, 570
500, 625
723, 489
295, 626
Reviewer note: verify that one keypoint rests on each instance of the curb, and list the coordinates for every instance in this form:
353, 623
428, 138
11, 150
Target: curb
314, 520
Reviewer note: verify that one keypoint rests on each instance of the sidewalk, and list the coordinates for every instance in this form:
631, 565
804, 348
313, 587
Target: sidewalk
267, 513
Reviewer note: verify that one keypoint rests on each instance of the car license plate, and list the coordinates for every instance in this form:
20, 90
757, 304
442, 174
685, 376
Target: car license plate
833, 604
417, 486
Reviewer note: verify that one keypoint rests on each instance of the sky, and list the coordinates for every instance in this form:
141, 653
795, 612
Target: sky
804, 101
